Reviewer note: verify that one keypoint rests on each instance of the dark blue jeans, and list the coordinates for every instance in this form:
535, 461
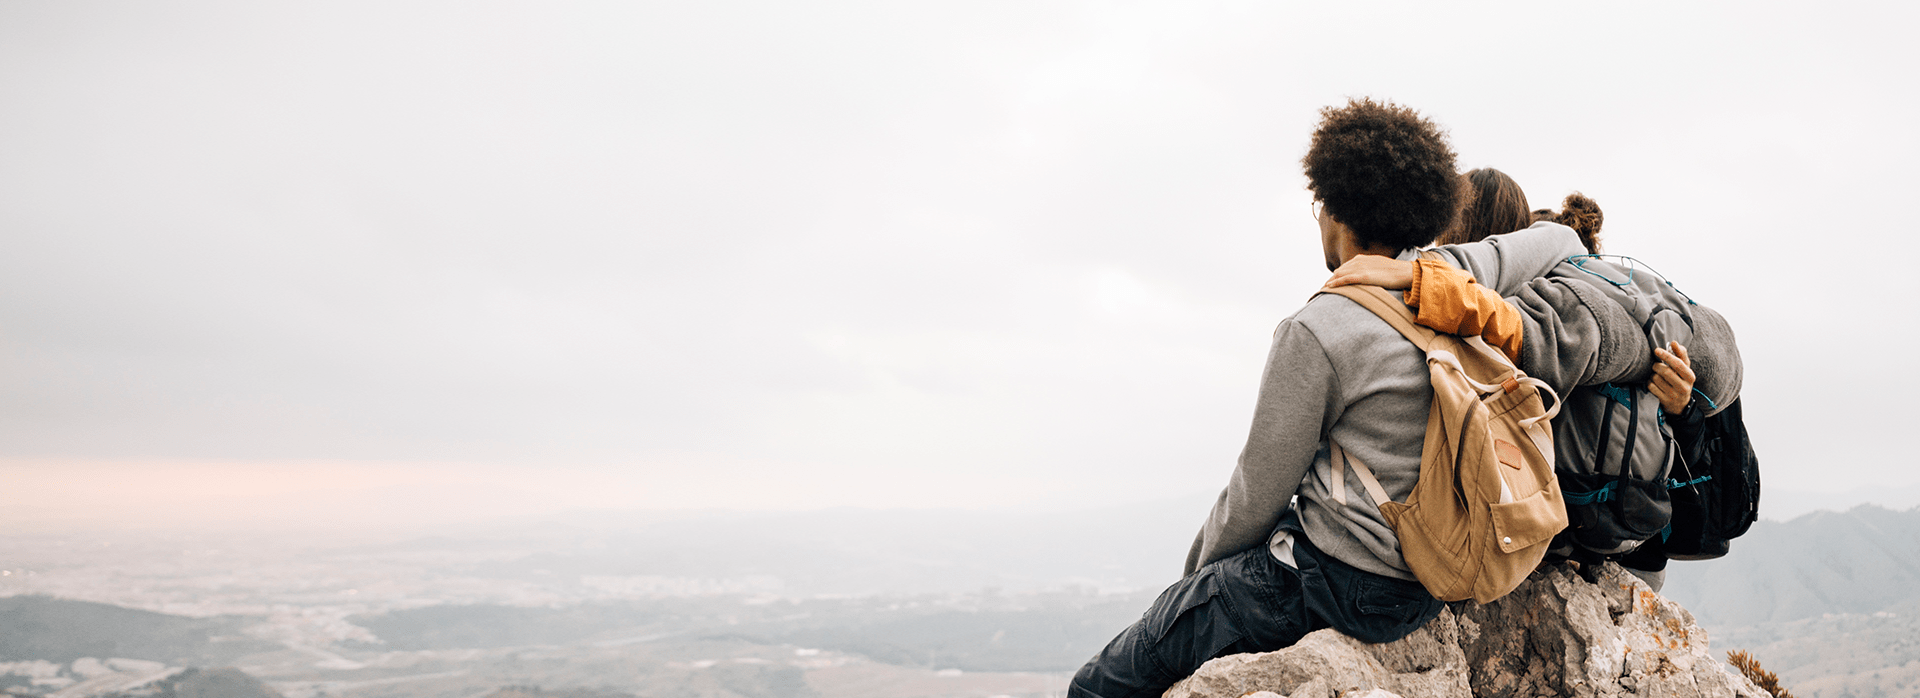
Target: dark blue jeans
1251, 603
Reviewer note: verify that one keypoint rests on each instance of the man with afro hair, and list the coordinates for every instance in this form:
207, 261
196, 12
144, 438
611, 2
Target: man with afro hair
1267, 568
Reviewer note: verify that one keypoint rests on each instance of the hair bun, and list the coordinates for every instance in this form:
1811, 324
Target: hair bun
1583, 215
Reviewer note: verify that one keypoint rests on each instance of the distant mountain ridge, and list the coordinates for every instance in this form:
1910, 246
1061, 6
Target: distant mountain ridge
1786, 505
62, 630
1859, 561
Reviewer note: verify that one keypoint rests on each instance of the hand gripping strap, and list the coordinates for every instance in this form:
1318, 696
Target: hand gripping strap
1382, 303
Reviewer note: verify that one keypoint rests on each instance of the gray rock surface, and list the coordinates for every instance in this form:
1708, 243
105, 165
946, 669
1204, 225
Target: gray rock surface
1556, 635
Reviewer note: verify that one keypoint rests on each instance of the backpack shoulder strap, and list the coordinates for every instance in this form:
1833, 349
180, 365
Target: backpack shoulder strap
1372, 484
1390, 309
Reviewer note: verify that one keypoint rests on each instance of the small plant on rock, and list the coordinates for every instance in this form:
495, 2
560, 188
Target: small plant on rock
1766, 680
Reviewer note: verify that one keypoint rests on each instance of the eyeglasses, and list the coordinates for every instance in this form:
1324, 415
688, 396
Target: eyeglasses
1319, 209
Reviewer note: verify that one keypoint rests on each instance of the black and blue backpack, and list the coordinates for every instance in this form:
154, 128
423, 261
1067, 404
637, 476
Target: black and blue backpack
1628, 473
1719, 494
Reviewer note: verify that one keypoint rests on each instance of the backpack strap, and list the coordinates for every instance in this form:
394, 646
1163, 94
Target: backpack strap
1626, 458
1340, 462
1396, 313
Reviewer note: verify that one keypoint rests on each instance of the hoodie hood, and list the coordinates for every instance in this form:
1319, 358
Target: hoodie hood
1716, 363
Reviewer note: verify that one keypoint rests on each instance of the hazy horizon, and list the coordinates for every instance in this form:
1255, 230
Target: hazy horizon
358, 499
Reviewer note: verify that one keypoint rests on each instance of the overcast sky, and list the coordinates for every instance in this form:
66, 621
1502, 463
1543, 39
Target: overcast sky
793, 255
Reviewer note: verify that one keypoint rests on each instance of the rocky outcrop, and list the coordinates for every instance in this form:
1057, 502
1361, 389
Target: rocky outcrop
1556, 635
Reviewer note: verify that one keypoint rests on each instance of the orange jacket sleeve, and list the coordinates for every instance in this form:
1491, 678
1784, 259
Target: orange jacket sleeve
1449, 300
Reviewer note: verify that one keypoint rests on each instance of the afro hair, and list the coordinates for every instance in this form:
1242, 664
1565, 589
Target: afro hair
1384, 172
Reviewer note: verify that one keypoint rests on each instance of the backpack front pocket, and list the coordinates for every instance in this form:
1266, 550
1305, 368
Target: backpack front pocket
1520, 524
1607, 514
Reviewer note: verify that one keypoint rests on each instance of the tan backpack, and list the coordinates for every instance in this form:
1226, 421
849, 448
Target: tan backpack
1487, 503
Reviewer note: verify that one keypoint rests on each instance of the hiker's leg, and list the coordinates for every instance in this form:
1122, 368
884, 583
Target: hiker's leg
1654, 578
1245, 603
1364, 605
1648, 562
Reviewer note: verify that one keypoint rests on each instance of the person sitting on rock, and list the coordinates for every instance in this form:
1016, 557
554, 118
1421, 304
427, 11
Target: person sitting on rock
1265, 569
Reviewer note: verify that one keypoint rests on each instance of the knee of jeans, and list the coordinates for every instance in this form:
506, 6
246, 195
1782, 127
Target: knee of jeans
1125, 668
1199, 633
1196, 589
1077, 688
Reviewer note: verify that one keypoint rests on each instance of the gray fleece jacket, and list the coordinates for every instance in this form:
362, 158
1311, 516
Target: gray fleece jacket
1337, 371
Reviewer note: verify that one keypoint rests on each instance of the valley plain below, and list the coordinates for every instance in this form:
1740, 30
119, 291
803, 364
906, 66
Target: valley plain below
833, 604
